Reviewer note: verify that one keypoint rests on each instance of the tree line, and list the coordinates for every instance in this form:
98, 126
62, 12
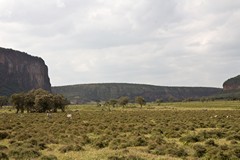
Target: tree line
123, 101
38, 100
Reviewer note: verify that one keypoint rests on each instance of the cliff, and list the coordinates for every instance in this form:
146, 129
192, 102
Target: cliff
101, 92
232, 84
21, 72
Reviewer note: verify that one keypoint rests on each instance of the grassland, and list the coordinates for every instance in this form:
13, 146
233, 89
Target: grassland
189, 130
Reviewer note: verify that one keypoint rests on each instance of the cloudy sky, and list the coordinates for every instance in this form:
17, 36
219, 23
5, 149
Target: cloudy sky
160, 42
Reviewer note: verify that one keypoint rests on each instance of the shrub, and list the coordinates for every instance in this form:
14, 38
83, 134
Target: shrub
210, 142
130, 157
50, 157
140, 141
69, 148
3, 156
199, 150
3, 135
236, 152
190, 139
2, 147
178, 152
20, 153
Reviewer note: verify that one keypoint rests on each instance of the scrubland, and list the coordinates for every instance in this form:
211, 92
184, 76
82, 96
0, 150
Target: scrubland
186, 130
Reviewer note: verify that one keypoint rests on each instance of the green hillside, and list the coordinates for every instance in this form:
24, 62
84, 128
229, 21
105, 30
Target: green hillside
101, 92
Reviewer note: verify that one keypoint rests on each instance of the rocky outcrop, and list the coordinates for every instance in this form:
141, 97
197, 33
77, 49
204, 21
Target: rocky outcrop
21, 72
232, 84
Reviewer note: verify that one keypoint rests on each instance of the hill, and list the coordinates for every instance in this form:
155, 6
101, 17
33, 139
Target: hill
101, 92
232, 84
231, 89
20, 72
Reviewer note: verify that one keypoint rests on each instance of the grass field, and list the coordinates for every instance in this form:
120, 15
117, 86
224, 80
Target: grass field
186, 130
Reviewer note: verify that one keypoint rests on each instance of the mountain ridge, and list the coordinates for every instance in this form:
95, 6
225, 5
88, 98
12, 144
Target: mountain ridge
81, 93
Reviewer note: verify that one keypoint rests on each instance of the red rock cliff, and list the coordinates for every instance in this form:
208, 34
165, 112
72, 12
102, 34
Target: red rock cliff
21, 72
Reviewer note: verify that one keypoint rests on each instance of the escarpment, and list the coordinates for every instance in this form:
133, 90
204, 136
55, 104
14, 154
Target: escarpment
21, 72
232, 84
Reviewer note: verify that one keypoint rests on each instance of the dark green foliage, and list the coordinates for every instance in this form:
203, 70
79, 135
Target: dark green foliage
38, 101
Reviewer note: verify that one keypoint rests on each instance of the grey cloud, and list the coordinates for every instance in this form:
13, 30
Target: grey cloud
141, 41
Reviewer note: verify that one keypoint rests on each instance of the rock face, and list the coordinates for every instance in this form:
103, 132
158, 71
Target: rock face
21, 72
232, 84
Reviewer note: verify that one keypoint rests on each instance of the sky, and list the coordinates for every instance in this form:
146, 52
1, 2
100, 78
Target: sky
159, 42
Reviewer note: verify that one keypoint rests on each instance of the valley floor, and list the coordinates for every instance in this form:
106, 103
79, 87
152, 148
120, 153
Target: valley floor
189, 130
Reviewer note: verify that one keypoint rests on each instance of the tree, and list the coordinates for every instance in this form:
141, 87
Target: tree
3, 101
29, 99
59, 102
140, 100
123, 101
17, 100
113, 102
43, 103
159, 101
39, 100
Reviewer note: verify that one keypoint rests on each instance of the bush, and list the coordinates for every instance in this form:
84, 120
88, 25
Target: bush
210, 142
69, 148
190, 139
236, 152
2, 147
177, 152
3, 135
199, 150
24, 153
140, 141
130, 157
3, 156
50, 157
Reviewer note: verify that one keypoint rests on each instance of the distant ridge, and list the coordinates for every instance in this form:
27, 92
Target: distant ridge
82, 93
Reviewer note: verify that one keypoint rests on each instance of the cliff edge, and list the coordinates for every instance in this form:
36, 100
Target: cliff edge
21, 72
232, 84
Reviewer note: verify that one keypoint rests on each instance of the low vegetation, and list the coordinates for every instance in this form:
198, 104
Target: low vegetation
165, 131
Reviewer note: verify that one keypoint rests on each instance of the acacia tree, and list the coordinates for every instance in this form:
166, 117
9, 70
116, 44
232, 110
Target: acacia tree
140, 100
29, 101
43, 103
123, 101
38, 100
3, 101
17, 100
59, 102
158, 101
113, 102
